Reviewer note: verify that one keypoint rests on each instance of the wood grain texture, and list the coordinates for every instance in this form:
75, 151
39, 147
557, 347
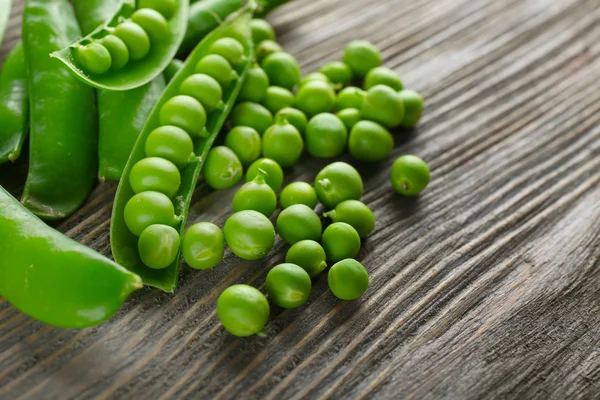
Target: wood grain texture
486, 286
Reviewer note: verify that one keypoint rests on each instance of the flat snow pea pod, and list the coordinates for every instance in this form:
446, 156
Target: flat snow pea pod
62, 111
123, 242
156, 54
4, 14
53, 278
14, 106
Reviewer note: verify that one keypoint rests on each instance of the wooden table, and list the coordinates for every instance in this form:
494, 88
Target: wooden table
486, 286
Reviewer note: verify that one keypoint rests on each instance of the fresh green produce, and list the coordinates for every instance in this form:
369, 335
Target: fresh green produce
288, 285
249, 234
282, 69
348, 279
410, 175
148, 208
278, 98
222, 168
255, 86
147, 34
172, 69
53, 278
315, 97
340, 241
14, 107
171, 143
155, 174
245, 143
383, 105
4, 13
337, 182
283, 143
159, 246
273, 170
338, 73
350, 97
298, 193
309, 255
370, 141
315, 76
266, 48
203, 245
167, 8
355, 214
253, 115
326, 136
413, 107
298, 222
349, 116
294, 117
261, 31
256, 195
361, 56
184, 112
230, 49
205, 89
383, 76
217, 67
243, 310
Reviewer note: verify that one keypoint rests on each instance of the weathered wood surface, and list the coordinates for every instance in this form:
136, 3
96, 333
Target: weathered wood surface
484, 287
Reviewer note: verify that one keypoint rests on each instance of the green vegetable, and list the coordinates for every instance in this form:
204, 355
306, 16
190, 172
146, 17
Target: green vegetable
172, 69
315, 76
348, 279
283, 143
315, 97
277, 98
186, 113
171, 143
370, 141
272, 169
243, 310
338, 73
218, 67
337, 182
355, 214
94, 58
167, 8
282, 69
298, 222
298, 193
349, 116
309, 255
361, 57
383, 76
249, 234
340, 241
410, 175
266, 48
326, 136
384, 106
294, 117
155, 174
253, 115
148, 208
230, 49
288, 285
261, 31
256, 195
413, 107
222, 168
350, 97
203, 245
159, 246
205, 89
255, 86
153, 23
245, 143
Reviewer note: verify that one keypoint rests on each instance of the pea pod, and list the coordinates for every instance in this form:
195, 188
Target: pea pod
4, 14
123, 242
14, 107
53, 278
63, 129
151, 42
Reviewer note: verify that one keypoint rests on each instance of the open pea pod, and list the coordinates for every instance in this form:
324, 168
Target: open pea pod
124, 243
132, 48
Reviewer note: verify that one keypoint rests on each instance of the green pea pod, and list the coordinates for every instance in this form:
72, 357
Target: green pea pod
136, 72
14, 107
53, 278
93, 13
63, 126
172, 69
124, 243
4, 14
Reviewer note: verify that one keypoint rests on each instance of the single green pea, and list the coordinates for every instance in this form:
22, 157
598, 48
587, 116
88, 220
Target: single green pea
230, 49
315, 97
157, 174
309, 255
298, 222
283, 143
294, 117
166, 7
256, 195
203, 245
135, 38
222, 168
355, 214
205, 89
243, 310
337, 182
410, 175
218, 67
349, 116
383, 76
361, 56
171, 143
261, 31
153, 22
278, 98
348, 279
148, 208
253, 115
158, 246
186, 113
340, 241
282, 69
326, 136
383, 105
298, 193
338, 73
288, 285
94, 58
255, 85
350, 97
119, 53
245, 143
273, 170
315, 76
370, 141
266, 48
413, 107
249, 234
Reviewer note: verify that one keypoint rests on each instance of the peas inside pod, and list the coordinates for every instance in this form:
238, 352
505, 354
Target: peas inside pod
203, 245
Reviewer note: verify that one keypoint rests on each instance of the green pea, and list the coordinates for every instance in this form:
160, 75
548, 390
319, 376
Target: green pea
410, 175
326, 136
315, 97
349, 116
217, 67
337, 182
153, 22
273, 170
361, 56
253, 115
298, 193
355, 214
157, 174
166, 7
383, 105
158, 246
277, 98
184, 112
205, 89
171, 143
245, 143
135, 38
283, 143
298, 222
309, 255
348, 279
203, 245
315, 76
370, 141
350, 97
243, 310
255, 86
413, 107
256, 195
94, 58
282, 69
119, 53
340, 241
288, 285
261, 31
148, 208
230, 49
249, 234
383, 76
338, 73
266, 48
222, 168
294, 117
